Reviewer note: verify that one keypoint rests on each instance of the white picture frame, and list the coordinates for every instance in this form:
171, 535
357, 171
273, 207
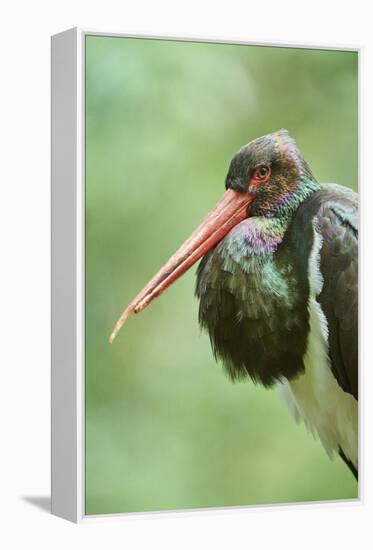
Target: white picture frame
68, 292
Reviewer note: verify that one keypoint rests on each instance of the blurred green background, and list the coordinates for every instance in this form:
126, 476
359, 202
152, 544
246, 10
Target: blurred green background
165, 428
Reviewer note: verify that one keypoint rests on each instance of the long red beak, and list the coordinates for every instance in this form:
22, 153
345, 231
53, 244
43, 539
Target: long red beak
228, 212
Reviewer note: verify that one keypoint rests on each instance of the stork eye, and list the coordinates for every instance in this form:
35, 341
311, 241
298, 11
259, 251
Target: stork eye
261, 175
262, 172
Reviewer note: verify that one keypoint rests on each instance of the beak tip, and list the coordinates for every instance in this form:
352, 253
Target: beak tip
120, 323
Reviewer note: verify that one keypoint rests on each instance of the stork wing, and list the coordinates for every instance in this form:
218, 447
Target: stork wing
337, 222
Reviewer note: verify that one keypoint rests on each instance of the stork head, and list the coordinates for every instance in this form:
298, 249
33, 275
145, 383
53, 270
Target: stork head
273, 172
267, 177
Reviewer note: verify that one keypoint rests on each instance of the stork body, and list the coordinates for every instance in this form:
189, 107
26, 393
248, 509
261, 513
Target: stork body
277, 286
279, 300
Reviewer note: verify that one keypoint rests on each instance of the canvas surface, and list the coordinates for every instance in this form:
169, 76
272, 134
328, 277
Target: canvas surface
165, 428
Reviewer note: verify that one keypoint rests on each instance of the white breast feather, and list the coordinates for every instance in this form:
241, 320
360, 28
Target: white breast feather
315, 396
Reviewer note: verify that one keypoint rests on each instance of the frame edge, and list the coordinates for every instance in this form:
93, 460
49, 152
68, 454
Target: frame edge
65, 302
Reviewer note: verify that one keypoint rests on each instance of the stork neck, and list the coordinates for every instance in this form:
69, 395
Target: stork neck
291, 200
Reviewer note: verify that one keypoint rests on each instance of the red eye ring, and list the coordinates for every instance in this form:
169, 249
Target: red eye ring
261, 175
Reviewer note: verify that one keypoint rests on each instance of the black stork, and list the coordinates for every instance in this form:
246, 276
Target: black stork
277, 286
